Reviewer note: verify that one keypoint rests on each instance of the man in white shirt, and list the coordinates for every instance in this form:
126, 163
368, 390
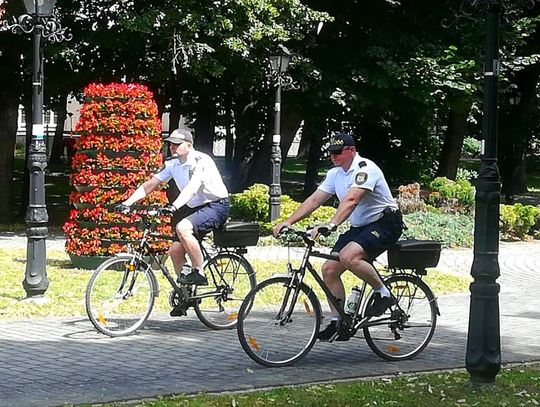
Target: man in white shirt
201, 206
366, 201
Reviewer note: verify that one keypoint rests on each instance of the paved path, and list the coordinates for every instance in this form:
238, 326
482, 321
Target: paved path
57, 361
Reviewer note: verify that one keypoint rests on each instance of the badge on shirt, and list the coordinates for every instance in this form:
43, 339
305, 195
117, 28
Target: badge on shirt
191, 171
361, 178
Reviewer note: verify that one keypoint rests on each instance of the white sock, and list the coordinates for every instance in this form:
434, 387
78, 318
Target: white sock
383, 291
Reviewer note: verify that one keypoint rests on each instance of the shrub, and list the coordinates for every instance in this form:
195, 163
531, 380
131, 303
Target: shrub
452, 230
519, 221
464, 174
452, 196
471, 147
252, 205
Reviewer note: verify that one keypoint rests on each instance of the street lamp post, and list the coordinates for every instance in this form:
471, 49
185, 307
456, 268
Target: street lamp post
483, 356
40, 23
278, 66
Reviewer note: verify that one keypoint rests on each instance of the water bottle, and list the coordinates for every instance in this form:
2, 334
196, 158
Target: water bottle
353, 301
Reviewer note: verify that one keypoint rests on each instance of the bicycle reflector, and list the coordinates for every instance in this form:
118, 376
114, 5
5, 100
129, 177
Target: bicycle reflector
253, 343
102, 320
308, 308
232, 316
392, 348
130, 267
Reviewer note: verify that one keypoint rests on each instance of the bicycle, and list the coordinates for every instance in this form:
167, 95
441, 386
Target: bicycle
279, 320
122, 290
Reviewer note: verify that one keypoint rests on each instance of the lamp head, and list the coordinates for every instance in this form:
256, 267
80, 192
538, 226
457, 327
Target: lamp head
280, 61
39, 8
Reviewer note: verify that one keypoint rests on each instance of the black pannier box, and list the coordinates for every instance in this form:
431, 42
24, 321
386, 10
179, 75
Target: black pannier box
237, 234
414, 254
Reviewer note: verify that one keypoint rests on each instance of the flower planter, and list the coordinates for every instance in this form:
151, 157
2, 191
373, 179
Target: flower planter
83, 188
83, 205
118, 149
87, 262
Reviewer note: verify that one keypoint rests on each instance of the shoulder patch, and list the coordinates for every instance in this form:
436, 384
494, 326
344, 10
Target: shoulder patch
361, 178
361, 164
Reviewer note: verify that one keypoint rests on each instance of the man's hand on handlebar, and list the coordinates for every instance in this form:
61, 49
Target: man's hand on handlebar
123, 208
280, 227
324, 229
167, 210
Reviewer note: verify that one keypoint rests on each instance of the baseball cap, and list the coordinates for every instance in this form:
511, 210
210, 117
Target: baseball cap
178, 136
340, 140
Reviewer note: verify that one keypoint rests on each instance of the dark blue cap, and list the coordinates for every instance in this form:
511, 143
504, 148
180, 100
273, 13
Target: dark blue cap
340, 140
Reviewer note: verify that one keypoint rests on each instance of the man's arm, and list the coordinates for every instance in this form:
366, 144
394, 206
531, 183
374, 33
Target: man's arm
146, 188
347, 205
315, 200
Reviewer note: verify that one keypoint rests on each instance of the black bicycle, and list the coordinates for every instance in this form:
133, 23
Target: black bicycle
121, 292
279, 320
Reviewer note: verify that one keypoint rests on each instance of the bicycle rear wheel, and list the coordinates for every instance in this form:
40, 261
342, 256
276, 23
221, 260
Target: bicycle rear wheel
221, 299
120, 296
273, 330
405, 329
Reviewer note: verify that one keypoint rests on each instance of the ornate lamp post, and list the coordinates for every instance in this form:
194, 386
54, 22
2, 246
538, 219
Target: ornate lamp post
278, 67
42, 25
483, 357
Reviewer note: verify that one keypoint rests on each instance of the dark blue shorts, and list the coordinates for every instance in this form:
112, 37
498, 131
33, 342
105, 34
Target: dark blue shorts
204, 218
374, 238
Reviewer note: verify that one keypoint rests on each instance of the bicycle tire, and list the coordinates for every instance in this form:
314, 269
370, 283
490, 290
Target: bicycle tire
235, 278
418, 308
107, 306
269, 342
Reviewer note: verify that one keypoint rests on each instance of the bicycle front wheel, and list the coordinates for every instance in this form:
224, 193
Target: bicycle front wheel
278, 322
230, 279
120, 296
405, 329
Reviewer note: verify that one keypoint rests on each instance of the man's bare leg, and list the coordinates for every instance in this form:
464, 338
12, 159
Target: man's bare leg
178, 257
332, 271
184, 230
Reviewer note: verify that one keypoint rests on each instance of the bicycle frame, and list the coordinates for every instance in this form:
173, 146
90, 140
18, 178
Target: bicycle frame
298, 277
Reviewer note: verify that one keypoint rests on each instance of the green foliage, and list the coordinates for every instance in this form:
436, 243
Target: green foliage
452, 230
252, 205
519, 221
454, 195
464, 174
471, 147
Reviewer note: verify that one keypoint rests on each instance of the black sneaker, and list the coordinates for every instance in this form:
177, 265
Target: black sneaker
327, 333
379, 305
193, 278
178, 312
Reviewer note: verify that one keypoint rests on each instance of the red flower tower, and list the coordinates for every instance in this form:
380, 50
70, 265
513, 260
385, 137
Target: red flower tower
119, 148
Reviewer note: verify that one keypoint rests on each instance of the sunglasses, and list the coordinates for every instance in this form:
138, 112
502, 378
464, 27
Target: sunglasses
336, 152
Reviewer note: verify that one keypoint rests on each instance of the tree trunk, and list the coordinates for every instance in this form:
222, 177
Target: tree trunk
176, 110
9, 109
247, 119
57, 150
229, 136
453, 139
517, 129
314, 129
204, 128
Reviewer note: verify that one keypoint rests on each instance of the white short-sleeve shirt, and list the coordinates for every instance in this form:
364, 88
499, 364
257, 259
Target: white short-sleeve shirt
199, 168
364, 174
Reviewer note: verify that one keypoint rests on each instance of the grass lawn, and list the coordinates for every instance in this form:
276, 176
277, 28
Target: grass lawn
514, 387
65, 295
